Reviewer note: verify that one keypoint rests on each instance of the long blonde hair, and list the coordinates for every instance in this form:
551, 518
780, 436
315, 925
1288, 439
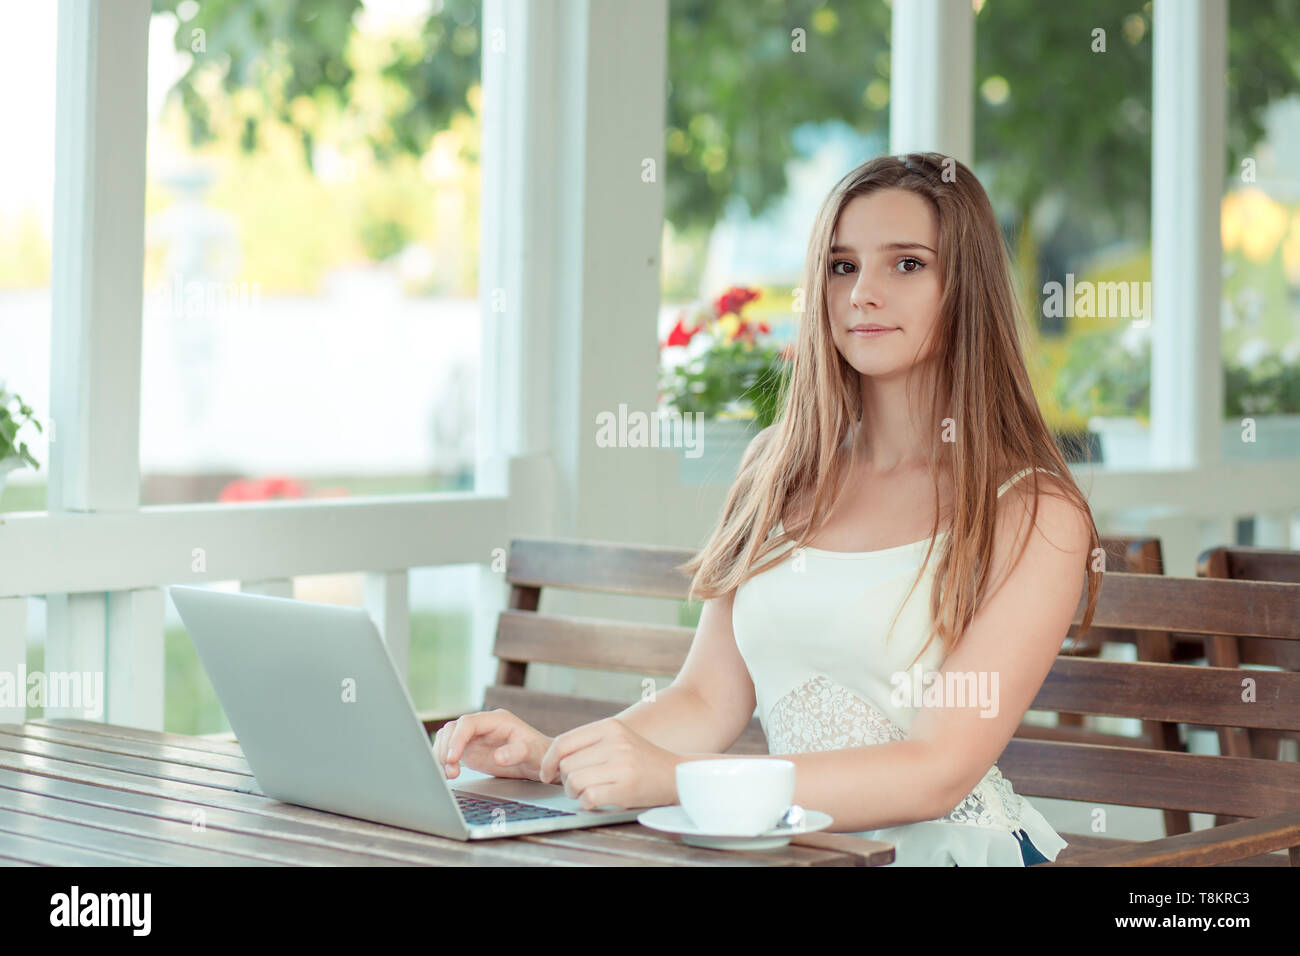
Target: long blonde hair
982, 386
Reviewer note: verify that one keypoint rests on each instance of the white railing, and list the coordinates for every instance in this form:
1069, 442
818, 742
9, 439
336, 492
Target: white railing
103, 575
1194, 509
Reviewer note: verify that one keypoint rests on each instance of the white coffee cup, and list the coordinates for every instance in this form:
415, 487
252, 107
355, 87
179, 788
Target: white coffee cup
736, 797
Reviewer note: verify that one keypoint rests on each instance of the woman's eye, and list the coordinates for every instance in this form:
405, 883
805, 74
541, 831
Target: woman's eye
910, 259
837, 263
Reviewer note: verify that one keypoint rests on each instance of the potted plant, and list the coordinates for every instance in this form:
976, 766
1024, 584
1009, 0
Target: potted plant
726, 369
14, 414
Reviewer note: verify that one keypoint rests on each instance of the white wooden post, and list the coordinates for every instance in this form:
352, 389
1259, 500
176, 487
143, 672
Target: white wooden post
97, 282
1187, 176
13, 657
1217, 532
932, 75
134, 688
77, 643
574, 106
1273, 530
387, 599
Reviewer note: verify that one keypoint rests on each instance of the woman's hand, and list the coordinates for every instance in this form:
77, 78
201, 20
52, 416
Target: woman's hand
491, 741
606, 763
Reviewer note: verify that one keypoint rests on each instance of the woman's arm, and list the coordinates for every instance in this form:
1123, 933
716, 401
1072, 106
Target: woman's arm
711, 701
1013, 639
709, 704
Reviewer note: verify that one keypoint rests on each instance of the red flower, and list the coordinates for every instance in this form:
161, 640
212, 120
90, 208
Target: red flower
244, 489
733, 300
679, 335
745, 331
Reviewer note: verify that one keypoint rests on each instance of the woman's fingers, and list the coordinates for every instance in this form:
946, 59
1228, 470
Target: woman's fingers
487, 741
510, 753
588, 756
482, 729
440, 740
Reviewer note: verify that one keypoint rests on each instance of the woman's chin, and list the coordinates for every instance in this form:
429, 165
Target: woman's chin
881, 370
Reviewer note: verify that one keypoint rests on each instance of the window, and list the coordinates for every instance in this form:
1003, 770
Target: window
311, 313
1260, 225
763, 118
27, 85
1063, 146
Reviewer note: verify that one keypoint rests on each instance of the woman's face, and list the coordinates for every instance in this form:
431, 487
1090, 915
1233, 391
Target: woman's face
884, 271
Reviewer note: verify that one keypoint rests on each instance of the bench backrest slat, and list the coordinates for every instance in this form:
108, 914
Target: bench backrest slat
1165, 692
1197, 783
1252, 564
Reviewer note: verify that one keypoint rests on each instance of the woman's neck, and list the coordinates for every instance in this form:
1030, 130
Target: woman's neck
893, 434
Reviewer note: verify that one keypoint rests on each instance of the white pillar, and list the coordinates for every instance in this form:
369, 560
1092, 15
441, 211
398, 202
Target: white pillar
134, 684
97, 282
387, 599
931, 78
98, 262
13, 656
1273, 530
1187, 176
573, 146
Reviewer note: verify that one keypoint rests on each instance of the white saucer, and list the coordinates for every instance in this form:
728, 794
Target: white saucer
673, 819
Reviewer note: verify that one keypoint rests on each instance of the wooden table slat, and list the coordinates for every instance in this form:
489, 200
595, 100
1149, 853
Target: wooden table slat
243, 849
36, 852
636, 840
338, 831
228, 763
202, 744
149, 851
139, 765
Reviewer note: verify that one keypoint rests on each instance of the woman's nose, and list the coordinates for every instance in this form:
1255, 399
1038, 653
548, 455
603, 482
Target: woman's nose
864, 294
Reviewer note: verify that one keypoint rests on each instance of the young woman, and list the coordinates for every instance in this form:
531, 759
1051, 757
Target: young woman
896, 564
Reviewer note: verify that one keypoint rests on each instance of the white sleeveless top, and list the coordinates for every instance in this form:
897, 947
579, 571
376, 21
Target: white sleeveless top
812, 634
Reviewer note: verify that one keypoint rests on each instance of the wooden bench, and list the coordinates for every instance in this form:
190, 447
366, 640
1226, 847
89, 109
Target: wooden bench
1251, 564
1267, 793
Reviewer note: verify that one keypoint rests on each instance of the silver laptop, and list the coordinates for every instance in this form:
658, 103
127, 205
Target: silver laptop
324, 721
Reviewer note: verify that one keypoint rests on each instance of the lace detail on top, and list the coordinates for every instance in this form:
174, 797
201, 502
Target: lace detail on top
991, 804
820, 714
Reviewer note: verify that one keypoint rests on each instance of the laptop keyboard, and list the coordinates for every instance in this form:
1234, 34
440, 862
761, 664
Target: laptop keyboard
482, 810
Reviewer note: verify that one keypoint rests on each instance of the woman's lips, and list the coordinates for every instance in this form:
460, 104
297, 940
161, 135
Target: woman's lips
871, 333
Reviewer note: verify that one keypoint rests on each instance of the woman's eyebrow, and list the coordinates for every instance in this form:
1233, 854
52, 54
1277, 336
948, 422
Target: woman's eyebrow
885, 247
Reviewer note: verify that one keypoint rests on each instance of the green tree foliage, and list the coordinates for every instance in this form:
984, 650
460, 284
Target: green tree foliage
286, 49
1054, 118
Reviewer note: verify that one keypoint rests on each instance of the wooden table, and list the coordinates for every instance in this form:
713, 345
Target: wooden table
82, 793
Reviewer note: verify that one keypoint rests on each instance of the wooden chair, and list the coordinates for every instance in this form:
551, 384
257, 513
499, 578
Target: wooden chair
1251, 564
1093, 771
